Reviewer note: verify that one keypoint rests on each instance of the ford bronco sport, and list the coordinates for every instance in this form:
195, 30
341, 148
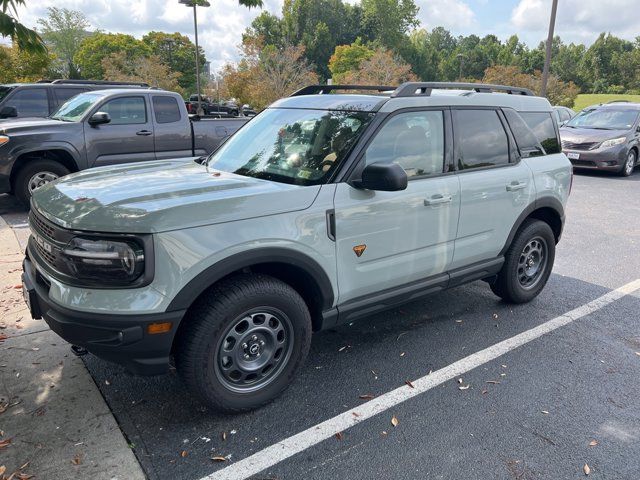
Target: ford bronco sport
324, 208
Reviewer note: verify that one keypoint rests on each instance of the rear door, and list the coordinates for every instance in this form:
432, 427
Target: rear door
127, 138
386, 240
172, 132
495, 185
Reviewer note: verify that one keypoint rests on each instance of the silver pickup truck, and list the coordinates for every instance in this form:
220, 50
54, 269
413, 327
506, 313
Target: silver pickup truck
104, 127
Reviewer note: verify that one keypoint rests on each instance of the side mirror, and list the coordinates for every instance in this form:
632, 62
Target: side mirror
99, 118
8, 112
385, 177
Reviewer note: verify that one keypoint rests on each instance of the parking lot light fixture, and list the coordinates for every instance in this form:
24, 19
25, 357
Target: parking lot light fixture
195, 4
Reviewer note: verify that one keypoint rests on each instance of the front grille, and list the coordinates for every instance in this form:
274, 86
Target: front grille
50, 257
583, 163
41, 224
579, 146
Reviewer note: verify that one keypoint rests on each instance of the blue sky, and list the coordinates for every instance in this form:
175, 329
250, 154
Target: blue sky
221, 26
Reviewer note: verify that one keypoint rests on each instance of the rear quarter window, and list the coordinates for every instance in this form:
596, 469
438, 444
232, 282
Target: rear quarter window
528, 143
542, 125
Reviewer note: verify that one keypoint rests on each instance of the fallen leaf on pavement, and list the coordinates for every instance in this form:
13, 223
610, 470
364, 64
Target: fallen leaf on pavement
77, 460
23, 476
593, 443
2, 469
5, 443
17, 287
545, 412
638, 353
484, 392
339, 436
493, 382
460, 380
464, 387
366, 397
224, 436
183, 453
219, 458
402, 354
394, 421
409, 383
3, 336
586, 469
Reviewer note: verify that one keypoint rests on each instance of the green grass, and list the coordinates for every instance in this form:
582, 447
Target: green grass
584, 100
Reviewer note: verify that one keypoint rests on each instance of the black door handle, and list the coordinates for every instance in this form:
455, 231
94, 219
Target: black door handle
144, 133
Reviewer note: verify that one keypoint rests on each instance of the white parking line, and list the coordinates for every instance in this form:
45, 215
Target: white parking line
288, 447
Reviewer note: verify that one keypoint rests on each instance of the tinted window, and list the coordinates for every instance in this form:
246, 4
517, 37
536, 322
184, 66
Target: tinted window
525, 139
64, 94
482, 139
541, 123
413, 140
30, 102
166, 109
126, 111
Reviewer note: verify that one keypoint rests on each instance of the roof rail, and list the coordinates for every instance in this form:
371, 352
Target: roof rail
96, 82
619, 101
321, 89
409, 89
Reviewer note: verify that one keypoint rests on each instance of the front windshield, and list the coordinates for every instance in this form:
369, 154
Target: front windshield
75, 108
604, 119
4, 91
294, 146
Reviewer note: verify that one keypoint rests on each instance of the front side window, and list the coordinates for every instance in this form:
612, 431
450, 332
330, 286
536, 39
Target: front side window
126, 110
413, 140
297, 146
30, 102
166, 109
75, 108
541, 123
482, 139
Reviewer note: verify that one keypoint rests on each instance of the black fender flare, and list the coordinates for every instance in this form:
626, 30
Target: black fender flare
201, 282
544, 202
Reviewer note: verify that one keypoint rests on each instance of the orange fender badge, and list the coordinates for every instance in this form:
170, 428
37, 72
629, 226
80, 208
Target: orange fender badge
359, 250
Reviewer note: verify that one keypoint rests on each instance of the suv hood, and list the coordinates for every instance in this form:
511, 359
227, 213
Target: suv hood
584, 135
163, 195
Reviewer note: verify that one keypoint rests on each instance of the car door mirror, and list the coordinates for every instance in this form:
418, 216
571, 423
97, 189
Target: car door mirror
8, 112
99, 118
385, 177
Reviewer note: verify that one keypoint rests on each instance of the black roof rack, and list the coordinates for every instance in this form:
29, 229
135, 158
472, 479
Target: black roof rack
409, 89
619, 101
93, 82
321, 89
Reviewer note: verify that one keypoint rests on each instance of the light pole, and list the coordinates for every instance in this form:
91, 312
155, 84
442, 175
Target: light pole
194, 4
461, 57
547, 58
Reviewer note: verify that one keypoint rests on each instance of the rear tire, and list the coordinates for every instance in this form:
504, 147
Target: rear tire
34, 174
629, 164
243, 342
528, 263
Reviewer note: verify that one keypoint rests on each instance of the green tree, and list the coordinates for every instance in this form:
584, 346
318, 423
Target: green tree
120, 67
269, 28
20, 65
177, 52
64, 30
98, 46
347, 58
24, 37
388, 21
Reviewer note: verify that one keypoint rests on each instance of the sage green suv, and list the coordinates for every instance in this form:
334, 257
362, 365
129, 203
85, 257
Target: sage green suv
324, 208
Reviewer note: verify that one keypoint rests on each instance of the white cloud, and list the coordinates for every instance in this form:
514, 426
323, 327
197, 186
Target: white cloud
578, 20
452, 14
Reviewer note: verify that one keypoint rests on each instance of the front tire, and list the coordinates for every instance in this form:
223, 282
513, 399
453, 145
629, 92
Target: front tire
528, 263
243, 342
34, 174
629, 164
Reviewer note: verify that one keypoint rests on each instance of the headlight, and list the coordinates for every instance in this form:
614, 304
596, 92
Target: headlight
613, 142
108, 262
3, 139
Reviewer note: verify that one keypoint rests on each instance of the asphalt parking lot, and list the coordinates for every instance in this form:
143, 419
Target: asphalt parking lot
541, 408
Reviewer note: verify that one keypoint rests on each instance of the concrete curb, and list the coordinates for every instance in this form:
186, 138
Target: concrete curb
54, 422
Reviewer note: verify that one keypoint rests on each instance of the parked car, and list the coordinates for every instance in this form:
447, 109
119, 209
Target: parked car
604, 137
323, 209
248, 111
103, 127
23, 100
563, 114
211, 108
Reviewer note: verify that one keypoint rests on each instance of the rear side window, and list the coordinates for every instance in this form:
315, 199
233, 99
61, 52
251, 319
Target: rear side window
166, 109
30, 102
482, 139
64, 94
541, 123
526, 140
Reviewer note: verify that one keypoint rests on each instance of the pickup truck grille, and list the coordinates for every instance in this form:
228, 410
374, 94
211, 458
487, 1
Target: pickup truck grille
41, 224
579, 146
46, 238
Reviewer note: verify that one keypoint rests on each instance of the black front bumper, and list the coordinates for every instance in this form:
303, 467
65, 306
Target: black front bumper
122, 339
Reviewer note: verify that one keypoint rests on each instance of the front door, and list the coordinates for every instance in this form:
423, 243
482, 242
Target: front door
127, 138
386, 240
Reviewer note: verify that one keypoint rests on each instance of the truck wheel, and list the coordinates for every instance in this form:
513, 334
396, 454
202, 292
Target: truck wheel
528, 263
629, 164
34, 174
243, 342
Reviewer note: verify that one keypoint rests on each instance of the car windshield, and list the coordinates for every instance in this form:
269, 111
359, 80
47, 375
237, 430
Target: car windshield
75, 108
4, 91
301, 147
604, 119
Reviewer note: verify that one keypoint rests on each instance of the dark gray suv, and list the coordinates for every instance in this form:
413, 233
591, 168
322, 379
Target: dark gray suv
604, 137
